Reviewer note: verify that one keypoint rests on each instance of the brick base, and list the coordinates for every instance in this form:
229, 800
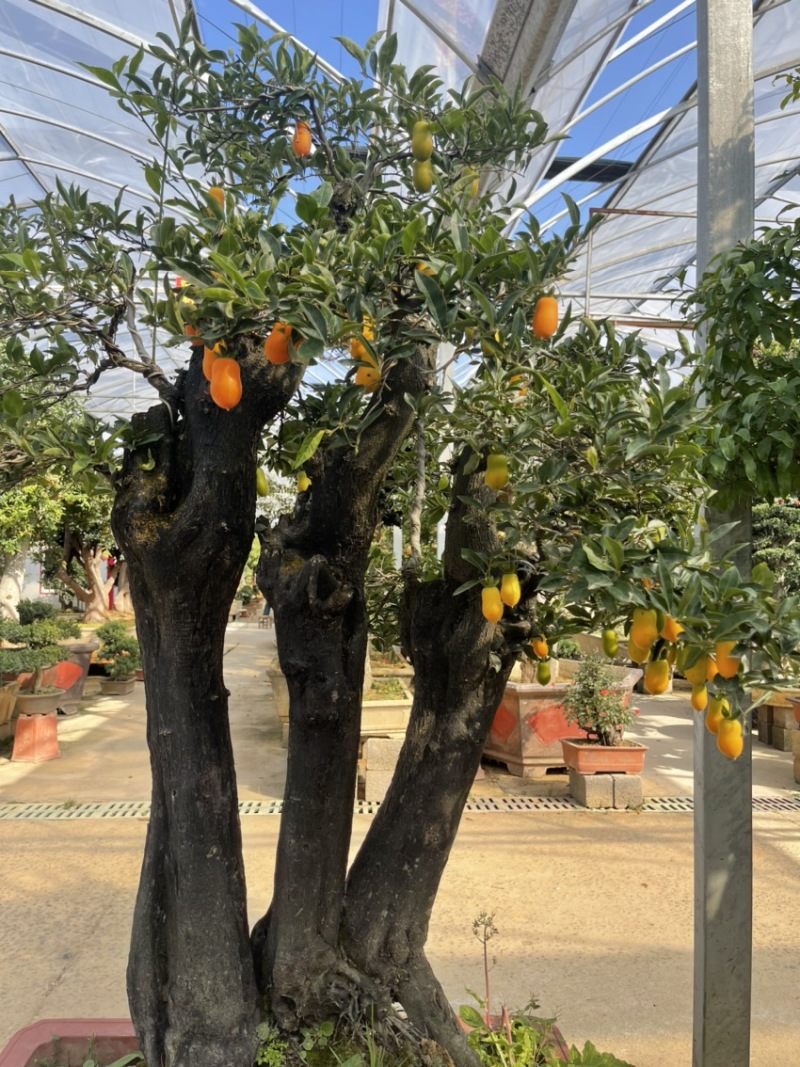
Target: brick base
618, 791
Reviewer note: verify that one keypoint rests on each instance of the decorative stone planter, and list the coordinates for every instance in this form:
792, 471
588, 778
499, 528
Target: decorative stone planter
529, 723
38, 703
36, 738
587, 757
111, 1038
117, 687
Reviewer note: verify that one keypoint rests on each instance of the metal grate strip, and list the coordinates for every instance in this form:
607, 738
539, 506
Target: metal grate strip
140, 809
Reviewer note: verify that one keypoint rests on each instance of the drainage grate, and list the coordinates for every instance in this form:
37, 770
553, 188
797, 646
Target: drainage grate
140, 809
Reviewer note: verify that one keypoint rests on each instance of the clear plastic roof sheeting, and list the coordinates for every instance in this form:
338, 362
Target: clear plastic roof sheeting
615, 77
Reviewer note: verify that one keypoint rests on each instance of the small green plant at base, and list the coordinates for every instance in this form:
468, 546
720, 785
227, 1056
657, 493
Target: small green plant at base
590, 1057
521, 1039
272, 1048
315, 1037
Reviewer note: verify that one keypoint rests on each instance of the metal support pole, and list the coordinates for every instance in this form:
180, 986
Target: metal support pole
723, 825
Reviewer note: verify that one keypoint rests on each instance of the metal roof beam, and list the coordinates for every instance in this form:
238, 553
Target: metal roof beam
71, 12
522, 39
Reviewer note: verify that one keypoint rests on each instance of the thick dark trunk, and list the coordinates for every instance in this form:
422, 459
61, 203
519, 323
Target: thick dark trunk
394, 880
312, 571
185, 523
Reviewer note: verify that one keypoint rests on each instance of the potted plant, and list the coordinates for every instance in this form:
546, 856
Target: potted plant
119, 653
29, 655
596, 704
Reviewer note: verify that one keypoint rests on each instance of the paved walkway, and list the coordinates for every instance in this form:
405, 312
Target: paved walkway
594, 909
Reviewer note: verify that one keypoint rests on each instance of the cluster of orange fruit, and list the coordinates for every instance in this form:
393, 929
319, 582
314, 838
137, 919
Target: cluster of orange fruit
494, 600
368, 373
647, 626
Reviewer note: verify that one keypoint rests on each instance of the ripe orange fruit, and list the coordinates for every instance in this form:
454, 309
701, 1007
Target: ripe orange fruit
303, 482
226, 383
368, 378
302, 142
276, 346
545, 317
656, 677
425, 268
496, 476
697, 674
699, 697
509, 590
644, 627
191, 331
671, 630
491, 604
715, 714
727, 665
210, 355
539, 647
218, 193
636, 652
730, 740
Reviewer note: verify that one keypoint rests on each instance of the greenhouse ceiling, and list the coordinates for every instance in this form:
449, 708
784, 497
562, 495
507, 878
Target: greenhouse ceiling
615, 77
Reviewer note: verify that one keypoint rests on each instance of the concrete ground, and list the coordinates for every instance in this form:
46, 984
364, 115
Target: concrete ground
594, 909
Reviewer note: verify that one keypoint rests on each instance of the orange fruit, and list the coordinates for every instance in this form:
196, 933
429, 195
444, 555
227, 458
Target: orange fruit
276, 346
699, 697
636, 652
218, 193
545, 317
539, 647
711, 669
727, 665
730, 740
303, 482
491, 604
656, 677
644, 627
421, 141
697, 674
302, 142
368, 378
226, 383
717, 707
209, 356
191, 331
425, 268
671, 630
509, 590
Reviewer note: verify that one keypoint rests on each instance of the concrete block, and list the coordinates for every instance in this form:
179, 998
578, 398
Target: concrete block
784, 717
380, 759
628, 790
796, 743
764, 728
592, 790
782, 738
797, 768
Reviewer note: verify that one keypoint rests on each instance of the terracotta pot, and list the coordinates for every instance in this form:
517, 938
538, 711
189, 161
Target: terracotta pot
587, 757
112, 1038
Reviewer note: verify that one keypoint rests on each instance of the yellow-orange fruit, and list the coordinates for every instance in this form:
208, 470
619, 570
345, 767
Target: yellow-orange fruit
423, 175
218, 193
699, 697
302, 142
715, 714
671, 630
730, 740
539, 647
276, 346
210, 355
425, 268
421, 141
697, 674
636, 652
226, 383
727, 665
656, 677
644, 627
509, 590
303, 482
491, 604
545, 317
368, 378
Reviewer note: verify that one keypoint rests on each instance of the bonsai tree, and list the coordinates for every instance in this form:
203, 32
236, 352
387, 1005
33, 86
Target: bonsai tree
551, 461
33, 648
594, 704
119, 651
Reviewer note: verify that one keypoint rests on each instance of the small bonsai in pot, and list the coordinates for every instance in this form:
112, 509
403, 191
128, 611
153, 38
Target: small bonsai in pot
29, 649
595, 703
119, 652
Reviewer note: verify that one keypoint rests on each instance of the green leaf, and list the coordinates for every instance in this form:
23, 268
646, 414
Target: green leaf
412, 233
470, 1016
434, 298
555, 396
13, 404
596, 561
307, 449
306, 207
152, 175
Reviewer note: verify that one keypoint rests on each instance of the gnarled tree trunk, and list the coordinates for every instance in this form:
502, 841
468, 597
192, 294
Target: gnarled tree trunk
12, 579
186, 526
94, 593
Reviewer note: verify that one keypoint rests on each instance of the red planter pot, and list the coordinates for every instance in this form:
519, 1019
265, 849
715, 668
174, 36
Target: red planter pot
587, 757
111, 1038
